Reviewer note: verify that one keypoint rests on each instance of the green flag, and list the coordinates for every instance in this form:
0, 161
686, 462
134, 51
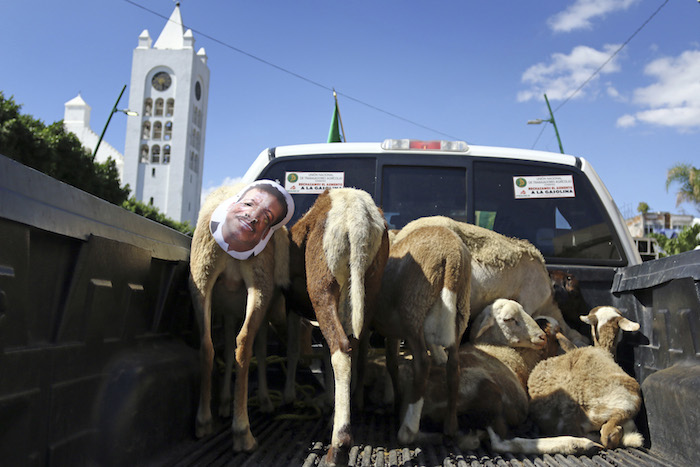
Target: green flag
334, 132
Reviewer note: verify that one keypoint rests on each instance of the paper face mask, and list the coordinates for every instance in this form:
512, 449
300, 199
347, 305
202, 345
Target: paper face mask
243, 224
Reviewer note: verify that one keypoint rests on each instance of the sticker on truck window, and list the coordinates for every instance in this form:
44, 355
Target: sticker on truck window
313, 182
544, 186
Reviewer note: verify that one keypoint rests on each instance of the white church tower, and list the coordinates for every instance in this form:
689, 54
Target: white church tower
164, 148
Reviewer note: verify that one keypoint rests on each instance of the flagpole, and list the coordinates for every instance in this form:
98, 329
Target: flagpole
340, 119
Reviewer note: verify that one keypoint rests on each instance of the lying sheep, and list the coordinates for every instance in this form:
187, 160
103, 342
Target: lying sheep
338, 251
584, 391
257, 280
492, 393
503, 267
606, 323
424, 300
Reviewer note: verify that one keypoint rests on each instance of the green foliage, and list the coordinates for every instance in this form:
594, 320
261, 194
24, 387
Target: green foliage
57, 153
686, 240
152, 212
643, 207
689, 179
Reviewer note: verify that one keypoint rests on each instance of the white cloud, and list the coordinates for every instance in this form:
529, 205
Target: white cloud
626, 121
580, 14
674, 99
211, 187
565, 73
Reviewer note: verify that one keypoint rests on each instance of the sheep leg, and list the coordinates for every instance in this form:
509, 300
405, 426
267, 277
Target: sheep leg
421, 367
392, 365
452, 374
554, 445
260, 348
359, 359
202, 305
611, 432
256, 303
293, 351
325, 304
230, 325
373, 282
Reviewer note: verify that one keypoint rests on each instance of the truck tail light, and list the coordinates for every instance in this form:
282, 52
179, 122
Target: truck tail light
398, 144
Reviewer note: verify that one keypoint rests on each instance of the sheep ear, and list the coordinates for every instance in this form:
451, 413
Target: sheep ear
585, 318
564, 343
486, 325
628, 325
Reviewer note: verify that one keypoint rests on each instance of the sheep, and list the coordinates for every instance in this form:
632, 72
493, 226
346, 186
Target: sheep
257, 280
492, 392
424, 299
584, 391
567, 294
605, 323
338, 250
503, 267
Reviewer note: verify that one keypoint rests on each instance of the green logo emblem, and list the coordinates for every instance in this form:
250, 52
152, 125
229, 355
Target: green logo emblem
291, 178
520, 182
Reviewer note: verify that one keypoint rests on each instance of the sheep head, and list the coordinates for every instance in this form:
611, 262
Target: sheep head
505, 322
606, 322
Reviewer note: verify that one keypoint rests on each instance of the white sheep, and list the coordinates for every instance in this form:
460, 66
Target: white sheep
584, 392
424, 300
338, 250
503, 267
257, 280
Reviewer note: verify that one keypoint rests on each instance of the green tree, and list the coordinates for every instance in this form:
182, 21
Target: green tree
689, 179
643, 207
152, 212
57, 153
686, 240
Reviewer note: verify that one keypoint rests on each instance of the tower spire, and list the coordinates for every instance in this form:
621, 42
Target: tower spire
172, 35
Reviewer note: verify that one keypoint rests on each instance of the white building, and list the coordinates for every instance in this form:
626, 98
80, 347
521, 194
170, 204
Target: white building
76, 119
164, 148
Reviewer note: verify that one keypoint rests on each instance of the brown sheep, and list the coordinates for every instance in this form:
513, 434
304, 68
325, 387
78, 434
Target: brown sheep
259, 279
503, 267
584, 391
424, 300
567, 294
338, 250
492, 390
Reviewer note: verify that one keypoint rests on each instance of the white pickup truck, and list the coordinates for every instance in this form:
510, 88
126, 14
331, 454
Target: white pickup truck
99, 345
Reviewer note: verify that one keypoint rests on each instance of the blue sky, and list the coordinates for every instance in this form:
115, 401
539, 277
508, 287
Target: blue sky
449, 69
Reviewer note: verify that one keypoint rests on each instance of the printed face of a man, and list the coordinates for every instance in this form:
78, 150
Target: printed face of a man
249, 219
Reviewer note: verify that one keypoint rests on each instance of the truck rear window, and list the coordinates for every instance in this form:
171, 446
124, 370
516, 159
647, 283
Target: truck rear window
560, 225
568, 223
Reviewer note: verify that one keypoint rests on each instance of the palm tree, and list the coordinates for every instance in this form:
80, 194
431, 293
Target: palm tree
689, 179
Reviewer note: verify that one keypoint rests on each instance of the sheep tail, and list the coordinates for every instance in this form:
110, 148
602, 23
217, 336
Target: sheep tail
352, 238
365, 239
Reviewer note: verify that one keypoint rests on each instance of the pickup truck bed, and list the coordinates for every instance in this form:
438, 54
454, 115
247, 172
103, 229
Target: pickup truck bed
304, 443
99, 361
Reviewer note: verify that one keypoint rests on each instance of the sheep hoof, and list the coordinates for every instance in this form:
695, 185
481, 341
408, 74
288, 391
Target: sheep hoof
611, 436
468, 442
289, 396
266, 405
406, 436
244, 441
337, 456
203, 429
225, 408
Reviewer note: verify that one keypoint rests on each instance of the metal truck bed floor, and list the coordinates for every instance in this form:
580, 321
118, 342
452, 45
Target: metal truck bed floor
304, 443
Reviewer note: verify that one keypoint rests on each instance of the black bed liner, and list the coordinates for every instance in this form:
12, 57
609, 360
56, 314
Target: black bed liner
305, 443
